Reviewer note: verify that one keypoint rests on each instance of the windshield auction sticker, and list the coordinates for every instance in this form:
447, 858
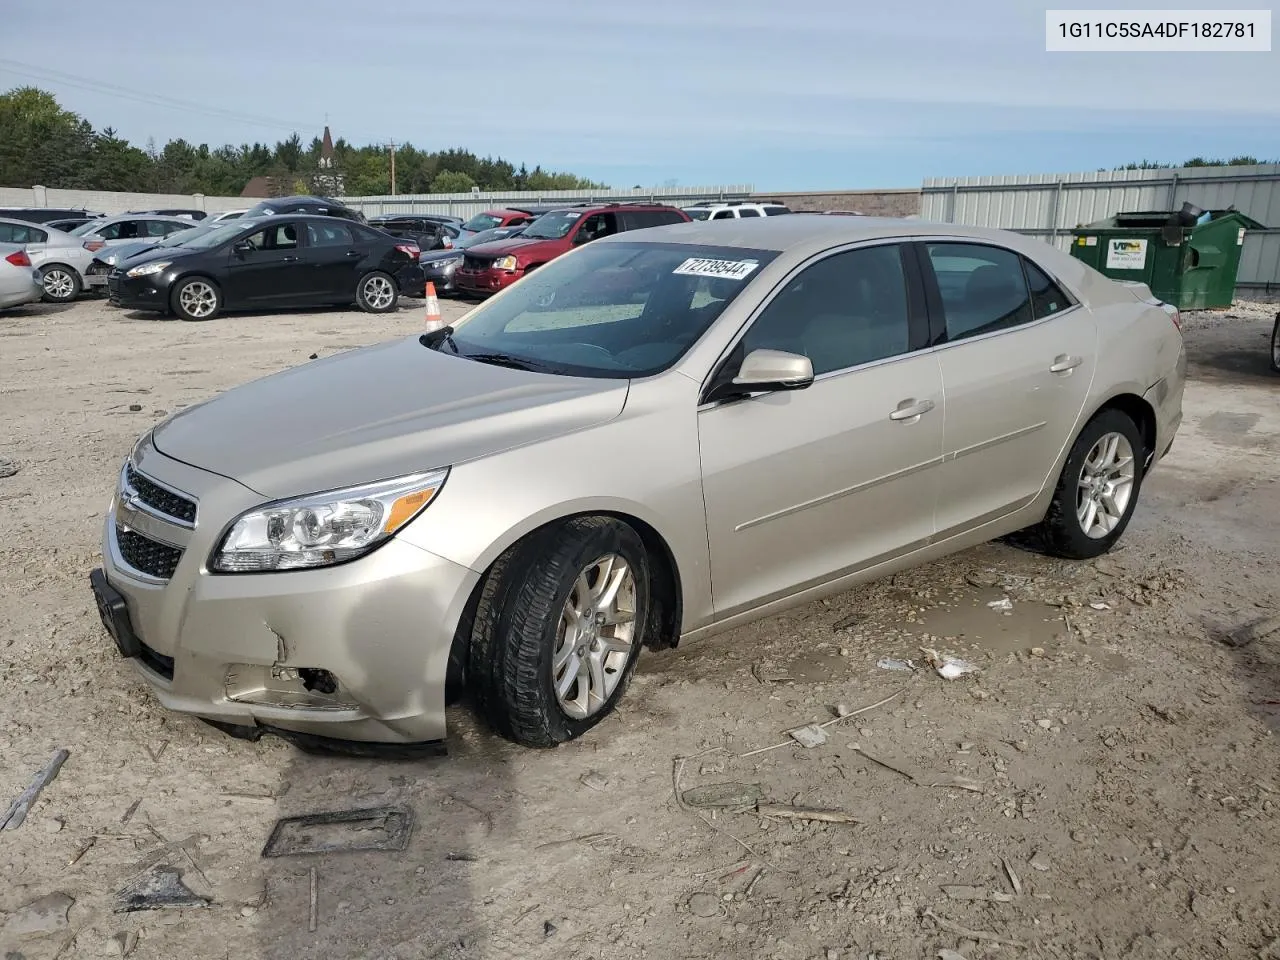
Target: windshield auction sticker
1131, 31
723, 269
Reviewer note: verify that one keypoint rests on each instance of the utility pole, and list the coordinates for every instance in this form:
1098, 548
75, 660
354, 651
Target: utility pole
391, 145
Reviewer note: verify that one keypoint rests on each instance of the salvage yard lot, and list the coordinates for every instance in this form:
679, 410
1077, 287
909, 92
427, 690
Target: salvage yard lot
1117, 749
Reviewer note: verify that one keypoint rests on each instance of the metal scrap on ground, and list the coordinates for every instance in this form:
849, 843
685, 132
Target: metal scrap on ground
159, 887
377, 828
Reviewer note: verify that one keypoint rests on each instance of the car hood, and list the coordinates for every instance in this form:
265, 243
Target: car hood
430, 256
152, 253
378, 412
124, 251
516, 245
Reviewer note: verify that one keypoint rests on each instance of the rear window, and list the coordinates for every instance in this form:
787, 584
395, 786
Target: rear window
697, 213
775, 211
482, 221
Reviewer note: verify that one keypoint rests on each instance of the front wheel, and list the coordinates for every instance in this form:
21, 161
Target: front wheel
377, 293
1275, 345
1098, 489
559, 629
196, 299
61, 284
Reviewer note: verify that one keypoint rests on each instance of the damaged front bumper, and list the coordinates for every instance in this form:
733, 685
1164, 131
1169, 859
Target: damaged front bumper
354, 653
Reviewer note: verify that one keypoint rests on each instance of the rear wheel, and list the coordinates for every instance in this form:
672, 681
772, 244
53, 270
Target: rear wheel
559, 629
377, 293
1098, 489
196, 298
61, 283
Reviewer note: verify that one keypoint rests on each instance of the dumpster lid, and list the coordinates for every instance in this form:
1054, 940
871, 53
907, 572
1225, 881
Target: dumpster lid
1155, 219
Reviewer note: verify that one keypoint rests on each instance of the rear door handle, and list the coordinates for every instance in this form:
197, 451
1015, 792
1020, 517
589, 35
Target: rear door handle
1063, 363
289, 259
911, 409
353, 253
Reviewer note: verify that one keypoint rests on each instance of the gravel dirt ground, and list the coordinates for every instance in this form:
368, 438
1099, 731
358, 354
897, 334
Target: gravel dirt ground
1105, 786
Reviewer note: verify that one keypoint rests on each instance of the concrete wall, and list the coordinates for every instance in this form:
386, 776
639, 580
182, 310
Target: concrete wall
102, 201
871, 203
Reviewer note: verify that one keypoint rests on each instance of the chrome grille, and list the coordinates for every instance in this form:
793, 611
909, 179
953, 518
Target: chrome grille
160, 499
147, 556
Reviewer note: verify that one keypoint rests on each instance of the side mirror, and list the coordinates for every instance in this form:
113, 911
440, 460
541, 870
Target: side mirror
582, 237
766, 371
242, 247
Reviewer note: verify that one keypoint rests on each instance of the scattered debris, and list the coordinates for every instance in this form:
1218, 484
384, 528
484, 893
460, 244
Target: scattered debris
377, 828
752, 885
960, 931
8, 468
133, 808
81, 851
54, 825
124, 942
548, 929
158, 752
596, 841
704, 905
732, 794
158, 888
1038, 862
961, 892
594, 781
314, 356
1044, 723
808, 736
313, 919
948, 667
789, 812
18, 810
845, 623
823, 726
920, 778
462, 857
1247, 633
1014, 882
135, 408
945, 954
1004, 605
890, 663
39, 917
1099, 605
761, 678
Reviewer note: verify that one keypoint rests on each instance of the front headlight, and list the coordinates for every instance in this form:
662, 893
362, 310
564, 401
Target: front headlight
111, 260
505, 263
325, 528
148, 269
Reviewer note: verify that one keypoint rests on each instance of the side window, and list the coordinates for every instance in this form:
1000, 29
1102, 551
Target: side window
1047, 297
112, 232
845, 310
154, 228
9, 233
748, 212
598, 225
36, 236
722, 215
132, 229
775, 211
983, 288
283, 236
329, 235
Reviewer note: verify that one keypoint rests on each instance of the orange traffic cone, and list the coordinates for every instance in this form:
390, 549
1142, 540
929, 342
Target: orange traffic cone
434, 321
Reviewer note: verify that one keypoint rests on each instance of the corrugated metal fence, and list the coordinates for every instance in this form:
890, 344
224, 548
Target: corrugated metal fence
1049, 206
465, 204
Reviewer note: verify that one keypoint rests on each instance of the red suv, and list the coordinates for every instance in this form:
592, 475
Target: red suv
491, 267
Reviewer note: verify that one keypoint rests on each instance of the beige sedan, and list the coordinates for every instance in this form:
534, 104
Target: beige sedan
660, 435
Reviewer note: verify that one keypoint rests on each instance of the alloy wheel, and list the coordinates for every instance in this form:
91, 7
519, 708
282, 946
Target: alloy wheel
1106, 485
595, 637
198, 299
378, 293
59, 284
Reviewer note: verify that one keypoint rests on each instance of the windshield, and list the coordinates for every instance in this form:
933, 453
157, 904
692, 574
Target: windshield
218, 235
182, 236
86, 228
552, 226
615, 310
697, 214
482, 221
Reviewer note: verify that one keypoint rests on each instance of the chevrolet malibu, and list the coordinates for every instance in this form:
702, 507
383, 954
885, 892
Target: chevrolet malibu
658, 436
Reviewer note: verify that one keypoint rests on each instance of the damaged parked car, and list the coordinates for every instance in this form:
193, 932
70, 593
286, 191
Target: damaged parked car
659, 435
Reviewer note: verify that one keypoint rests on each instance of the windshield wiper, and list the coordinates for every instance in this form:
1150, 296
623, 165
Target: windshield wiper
433, 339
504, 360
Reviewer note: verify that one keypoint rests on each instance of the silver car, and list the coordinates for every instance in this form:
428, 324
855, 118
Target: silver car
61, 258
128, 228
657, 436
19, 280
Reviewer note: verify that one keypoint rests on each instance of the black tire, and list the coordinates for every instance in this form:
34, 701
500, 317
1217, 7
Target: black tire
1275, 345
517, 623
64, 281
196, 299
1061, 530
373, 291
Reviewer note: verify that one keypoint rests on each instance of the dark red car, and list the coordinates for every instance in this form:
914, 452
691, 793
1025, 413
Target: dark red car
491, 267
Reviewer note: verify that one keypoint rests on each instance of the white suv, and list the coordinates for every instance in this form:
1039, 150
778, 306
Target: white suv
733, 209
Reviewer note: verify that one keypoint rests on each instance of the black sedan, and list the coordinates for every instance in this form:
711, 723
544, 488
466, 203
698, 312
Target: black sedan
439, 266
283, 261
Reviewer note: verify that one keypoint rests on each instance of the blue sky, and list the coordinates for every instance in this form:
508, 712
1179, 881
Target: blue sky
805, 94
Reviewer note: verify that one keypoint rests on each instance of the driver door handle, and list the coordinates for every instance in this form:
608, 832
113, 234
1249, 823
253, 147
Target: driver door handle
911, 409
1064, 363
289, 259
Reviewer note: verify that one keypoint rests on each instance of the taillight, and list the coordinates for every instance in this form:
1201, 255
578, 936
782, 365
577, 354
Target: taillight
448, 243
1174, 314
410, 249
19, 258
93, 246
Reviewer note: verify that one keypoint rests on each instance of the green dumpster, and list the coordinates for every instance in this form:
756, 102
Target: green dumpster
1188, 257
